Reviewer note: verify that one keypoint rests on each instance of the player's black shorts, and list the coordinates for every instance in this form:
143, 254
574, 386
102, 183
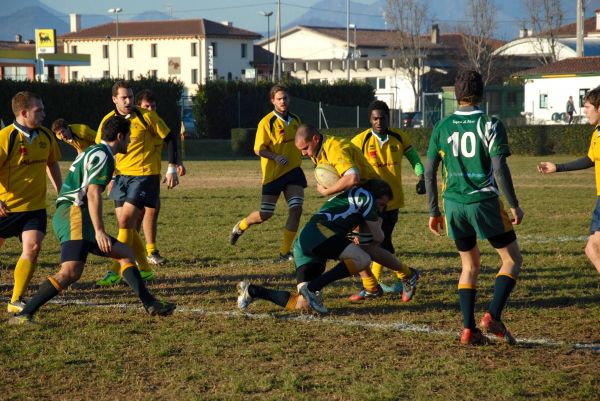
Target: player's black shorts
140, 191
78, 250
595, 226
292, 177
15, 223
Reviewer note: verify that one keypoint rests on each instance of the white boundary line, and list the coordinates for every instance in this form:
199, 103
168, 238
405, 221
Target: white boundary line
308, 319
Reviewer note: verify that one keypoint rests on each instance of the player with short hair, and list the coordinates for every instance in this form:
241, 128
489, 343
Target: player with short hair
79, 136
281, 172
146, 99
384, 148
325, 237
28, 152
591, 110
79, 227
352, 166
137, 174
473, 148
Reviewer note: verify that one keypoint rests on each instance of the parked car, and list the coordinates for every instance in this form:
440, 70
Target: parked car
189, 124
412, 119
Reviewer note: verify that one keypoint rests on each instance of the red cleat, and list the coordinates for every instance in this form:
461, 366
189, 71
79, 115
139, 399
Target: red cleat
472, 337
497, 328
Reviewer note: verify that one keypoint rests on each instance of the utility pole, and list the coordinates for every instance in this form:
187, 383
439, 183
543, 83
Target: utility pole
579, 45
348, 40
278, 45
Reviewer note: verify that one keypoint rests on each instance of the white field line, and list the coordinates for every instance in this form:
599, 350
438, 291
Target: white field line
541, 239
308, 319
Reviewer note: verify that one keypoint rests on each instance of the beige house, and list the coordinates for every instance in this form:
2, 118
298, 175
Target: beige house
192, 51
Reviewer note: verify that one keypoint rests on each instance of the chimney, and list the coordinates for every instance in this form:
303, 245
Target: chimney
18, 38
227, 23
523, 33
435, 34
75, 22
598, 19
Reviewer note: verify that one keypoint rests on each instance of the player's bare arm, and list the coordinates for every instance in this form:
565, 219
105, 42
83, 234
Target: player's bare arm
546, 167
94, 195
345, 182
53, 171
3, 209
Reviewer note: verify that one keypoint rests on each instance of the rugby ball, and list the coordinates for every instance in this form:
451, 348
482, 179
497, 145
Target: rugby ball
326, 175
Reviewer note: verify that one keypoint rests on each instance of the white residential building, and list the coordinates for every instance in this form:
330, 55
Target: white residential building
547, 88
319, 54
192, 51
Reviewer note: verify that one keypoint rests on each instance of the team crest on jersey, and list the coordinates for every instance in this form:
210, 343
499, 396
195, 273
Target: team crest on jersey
43, 144
282, 132
372, 154
22, 149
394, 148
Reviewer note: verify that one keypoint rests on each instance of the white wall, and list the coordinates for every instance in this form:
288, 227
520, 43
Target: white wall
558, 91
228, 58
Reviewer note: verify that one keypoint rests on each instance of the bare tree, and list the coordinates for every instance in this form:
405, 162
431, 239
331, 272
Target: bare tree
477, 38
409, 19
546, 17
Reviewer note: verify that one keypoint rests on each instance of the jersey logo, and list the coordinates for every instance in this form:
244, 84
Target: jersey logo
282, 132
43, 145
373, 154
22, 149
394, 148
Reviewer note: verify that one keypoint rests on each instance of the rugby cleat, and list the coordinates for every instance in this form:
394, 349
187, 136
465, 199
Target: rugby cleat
288, 257
147, 275
364, 294
244, 298
156, 259
160, 308
497, 328
235, 234
21, 320
15, 307
111, 278
409, 285
314, 299
472, 337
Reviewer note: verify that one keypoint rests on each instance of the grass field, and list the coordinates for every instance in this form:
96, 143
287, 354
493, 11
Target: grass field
98, 344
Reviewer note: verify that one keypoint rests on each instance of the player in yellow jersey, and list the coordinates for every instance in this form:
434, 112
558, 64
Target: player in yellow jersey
384, 148
281, 172
146, 99
591, 109
79, 136
28, 152
137, 174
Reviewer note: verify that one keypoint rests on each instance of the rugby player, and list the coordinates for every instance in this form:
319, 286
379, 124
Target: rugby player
79, 136
473, 148
28, 151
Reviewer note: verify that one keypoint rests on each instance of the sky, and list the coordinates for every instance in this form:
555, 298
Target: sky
243, 13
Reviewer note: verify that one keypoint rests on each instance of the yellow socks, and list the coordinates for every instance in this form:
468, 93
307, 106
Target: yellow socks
369, 282
243, 224
376, 269
288, 239
23, 273
125, 236
139, 250
150, 248
404, 272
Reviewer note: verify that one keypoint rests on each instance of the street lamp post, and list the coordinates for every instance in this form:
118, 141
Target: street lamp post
108, 54
116, 11
353, 27
268, 15
348, 39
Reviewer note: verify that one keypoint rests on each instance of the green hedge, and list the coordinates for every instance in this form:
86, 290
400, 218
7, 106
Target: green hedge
87, 102
525, 140
216, 103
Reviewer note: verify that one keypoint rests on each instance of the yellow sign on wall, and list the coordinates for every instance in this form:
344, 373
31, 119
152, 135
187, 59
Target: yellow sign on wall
45, 41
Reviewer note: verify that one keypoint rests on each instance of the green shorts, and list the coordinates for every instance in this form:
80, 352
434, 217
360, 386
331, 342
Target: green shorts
71, 223
485, 219
317, 243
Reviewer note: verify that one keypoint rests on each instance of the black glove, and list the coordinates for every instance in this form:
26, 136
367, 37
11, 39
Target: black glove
421, 187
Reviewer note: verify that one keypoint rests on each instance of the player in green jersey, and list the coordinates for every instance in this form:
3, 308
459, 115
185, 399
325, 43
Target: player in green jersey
473, 148
79, 226
325, 237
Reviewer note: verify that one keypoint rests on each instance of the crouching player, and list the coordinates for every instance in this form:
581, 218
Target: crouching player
325, 237
79, 227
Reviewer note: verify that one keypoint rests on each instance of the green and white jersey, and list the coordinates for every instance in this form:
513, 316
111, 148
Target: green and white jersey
95, 165
465, 142
344, 212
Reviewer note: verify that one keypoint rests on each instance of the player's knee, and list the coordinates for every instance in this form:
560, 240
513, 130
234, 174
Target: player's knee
357, 260
266, 210
32, 249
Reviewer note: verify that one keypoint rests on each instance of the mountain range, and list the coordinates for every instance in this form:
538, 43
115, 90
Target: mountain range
23, 16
